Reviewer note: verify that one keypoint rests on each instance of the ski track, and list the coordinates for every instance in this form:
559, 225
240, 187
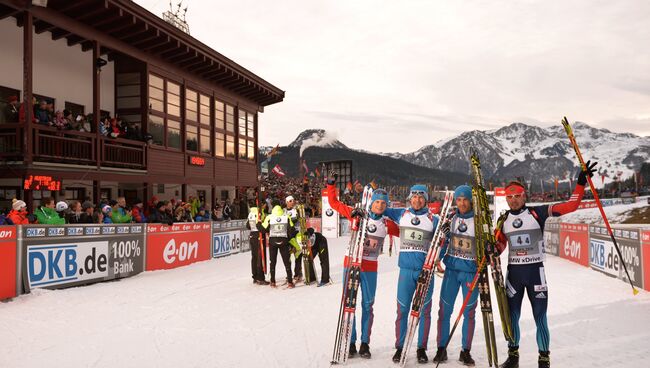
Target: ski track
211, 315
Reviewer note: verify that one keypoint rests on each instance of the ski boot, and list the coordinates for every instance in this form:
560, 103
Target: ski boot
297, 278
364, 350
291, 285
422, 356
466, 358
353, 351
441, 356
513, 358
263, 282
544, 360
398, 355
273, 284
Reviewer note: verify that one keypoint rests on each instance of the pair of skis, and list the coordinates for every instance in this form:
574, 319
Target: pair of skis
424, 279
304, 244
352, 281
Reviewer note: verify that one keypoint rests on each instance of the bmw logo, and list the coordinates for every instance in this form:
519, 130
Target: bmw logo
278, 219
329, 212
372, 228
415, 221
517, 223
462, 227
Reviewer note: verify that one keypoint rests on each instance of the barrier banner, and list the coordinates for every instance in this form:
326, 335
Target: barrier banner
587, 204
629, 241
645, 251
552, 237
574, 240
314, 223
344, 227
245, 243
8, 261
330, 218
177, 245
225, 243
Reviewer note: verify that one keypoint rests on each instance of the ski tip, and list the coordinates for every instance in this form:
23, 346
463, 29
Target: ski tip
635, 291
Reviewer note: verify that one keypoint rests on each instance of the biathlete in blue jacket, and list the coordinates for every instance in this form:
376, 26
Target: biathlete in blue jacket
459, 256
416, 227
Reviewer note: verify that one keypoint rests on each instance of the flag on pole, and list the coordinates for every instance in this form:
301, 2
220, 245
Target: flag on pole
277, 170
274, 151
317, 172
304, 166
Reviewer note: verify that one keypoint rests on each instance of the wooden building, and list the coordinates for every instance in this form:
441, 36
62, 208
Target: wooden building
112, 57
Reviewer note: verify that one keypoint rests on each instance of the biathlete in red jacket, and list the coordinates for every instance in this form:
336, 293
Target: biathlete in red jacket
522, 228
377, 229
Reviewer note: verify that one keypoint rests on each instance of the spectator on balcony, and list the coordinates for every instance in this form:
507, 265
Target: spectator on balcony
217, 212
227, 211
73, 123
42, 115
21, 112
235, 209
137, 212
160, 215
11, 110
49, 107
59, 121
151, 206
88, 214
121, 214
46, 213
74, 215
85, 123
114, 130
179, 214
18, 214
130, 131
104, 126
4, 219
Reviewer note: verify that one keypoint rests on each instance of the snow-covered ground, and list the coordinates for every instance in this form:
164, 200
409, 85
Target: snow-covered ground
211, 315
615, 214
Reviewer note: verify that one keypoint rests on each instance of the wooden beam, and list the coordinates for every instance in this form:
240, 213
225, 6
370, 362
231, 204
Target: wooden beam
154, 45
74, 39
43, 27
203, 69
73, 5
141, 39
109, 20
175, 52
125, 26
28, 75
184, 57
59, 34
9, 13
92, 13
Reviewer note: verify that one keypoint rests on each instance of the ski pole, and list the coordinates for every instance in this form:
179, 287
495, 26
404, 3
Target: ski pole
583, 167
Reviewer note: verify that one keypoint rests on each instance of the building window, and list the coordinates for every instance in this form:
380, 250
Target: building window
156, 128
246, 135
156, 93
230, 118
74, 108
173, 99
191, 105
173, 134
191, 138
204, 123
219, 144
219, 115
230, 146
251, 125
205, 141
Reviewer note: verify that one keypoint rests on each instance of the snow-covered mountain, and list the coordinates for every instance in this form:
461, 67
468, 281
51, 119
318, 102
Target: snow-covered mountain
538, 153
318, 138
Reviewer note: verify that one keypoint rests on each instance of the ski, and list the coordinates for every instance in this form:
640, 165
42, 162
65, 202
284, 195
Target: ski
304, 243
486, 247
352, 282
594, 192
424, 279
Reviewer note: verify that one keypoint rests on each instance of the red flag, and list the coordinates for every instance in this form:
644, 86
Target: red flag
349, 186
277, 170
317, 172
274, 151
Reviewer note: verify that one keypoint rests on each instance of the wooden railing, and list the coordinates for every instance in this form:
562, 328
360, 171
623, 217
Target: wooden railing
71, 147
11, 142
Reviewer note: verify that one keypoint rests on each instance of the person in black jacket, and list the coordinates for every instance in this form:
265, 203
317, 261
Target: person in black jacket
88, 213
319, 249
160, 215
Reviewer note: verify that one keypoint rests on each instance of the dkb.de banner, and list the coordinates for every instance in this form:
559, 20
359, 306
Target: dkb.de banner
171, 246
604, 258
7, 262
63, 256
226, 239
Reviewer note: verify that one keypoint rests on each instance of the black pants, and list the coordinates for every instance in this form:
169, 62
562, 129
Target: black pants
257, 257
282, 245
317, 250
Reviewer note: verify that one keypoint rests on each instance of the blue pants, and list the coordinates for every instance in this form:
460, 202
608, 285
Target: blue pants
530, 277
368, 289
408, 280
453, 281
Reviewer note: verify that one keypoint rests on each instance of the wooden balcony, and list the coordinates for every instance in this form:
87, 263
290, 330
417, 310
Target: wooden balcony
72, 147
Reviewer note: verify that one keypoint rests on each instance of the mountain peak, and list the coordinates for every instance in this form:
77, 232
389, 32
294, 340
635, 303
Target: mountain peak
316, 137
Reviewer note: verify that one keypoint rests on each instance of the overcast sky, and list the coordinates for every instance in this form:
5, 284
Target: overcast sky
397, 75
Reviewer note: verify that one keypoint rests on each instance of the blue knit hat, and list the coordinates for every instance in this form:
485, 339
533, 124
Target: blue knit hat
420, 190
463, 191
379, 194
